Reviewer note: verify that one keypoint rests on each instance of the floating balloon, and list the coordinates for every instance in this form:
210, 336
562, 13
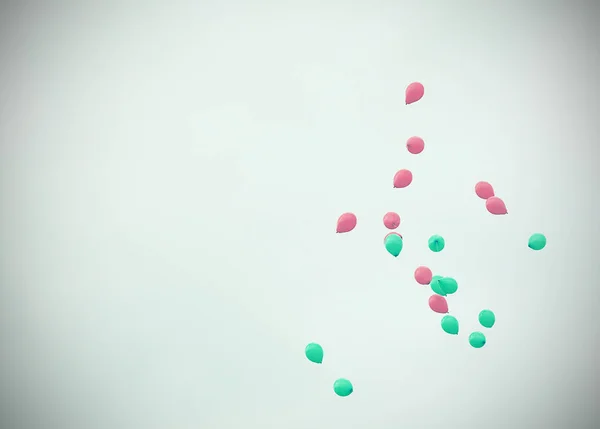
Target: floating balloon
495, 206
314, 353
484, 190
402, 179
342, 387
436, 243
438, 304
414, 92
415, 145
346, 223
435, 285
537, 241
391, 233
394, 244
423, 275
391, 220
477, 340
448, 285
450, 325
487, 318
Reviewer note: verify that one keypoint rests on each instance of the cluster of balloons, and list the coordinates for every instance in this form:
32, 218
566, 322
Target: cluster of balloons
314, 353
441, 286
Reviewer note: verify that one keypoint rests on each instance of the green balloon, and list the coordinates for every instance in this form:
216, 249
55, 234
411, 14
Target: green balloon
537, 241
314, 353
436, 243
487, 318
435, 285
450, 325
342, 387
448, 285
393, 244
477, 340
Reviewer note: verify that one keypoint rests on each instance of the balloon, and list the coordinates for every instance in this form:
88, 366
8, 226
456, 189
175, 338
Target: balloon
415, 145
342, 387
484, 190
436, 243
391, 220
495, 206
438, 304
435, 285
487, 318
391, 233
450, 325
423, 275
402, 179
346, 223
394, 244
448, 285
314, 353
414, 92
477, 340
537, 241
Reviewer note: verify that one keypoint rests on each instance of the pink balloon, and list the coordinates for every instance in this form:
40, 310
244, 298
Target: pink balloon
423, 275
484, 190
402, 179
495, 206
346, 223
414, 92
438, 304
391, 220
387, 235
415, 145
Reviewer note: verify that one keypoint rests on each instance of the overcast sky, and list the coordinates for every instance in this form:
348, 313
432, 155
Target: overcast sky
170, 179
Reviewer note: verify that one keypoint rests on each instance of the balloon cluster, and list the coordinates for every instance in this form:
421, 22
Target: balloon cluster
441, 286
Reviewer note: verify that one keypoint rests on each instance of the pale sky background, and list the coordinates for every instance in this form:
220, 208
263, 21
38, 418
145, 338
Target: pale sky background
170, 179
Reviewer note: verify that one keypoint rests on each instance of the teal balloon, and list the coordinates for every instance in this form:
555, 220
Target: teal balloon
435, 285
537, 241
487, 318
394, 244
477, 340
314, 353
436, 243
448, 285
450, 325
342, 387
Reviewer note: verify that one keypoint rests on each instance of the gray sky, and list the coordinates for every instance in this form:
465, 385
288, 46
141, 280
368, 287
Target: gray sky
170, 179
